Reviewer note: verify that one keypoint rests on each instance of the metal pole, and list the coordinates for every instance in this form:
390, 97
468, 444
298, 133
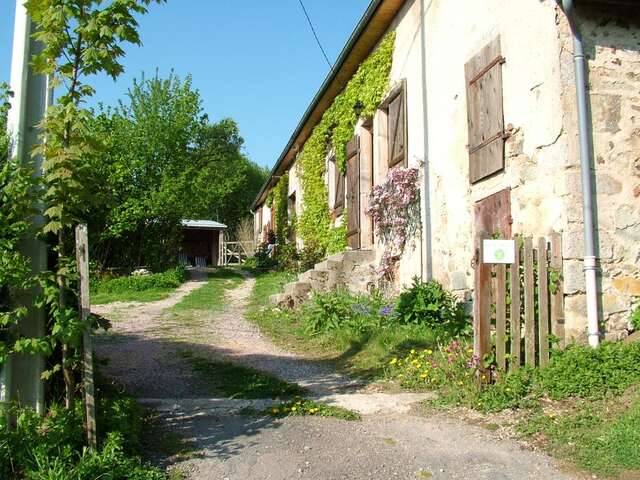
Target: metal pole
21, 378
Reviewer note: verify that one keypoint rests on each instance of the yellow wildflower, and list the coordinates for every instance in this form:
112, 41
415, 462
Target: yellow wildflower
393, 361
424, 375
429, 352
413, 352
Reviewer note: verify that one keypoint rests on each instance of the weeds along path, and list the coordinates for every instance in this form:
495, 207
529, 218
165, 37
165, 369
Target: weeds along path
197, 361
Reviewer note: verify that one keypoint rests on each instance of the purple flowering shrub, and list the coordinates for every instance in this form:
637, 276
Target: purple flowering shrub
394, 207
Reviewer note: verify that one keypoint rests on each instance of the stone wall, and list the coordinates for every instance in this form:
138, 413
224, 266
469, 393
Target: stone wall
612, 41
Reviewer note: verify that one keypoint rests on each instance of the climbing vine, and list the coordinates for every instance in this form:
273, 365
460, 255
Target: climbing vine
394, 207
280, 206
368, 86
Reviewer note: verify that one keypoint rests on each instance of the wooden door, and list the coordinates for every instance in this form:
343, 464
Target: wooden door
353, 193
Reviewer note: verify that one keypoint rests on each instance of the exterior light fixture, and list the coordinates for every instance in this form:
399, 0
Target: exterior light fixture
357, 108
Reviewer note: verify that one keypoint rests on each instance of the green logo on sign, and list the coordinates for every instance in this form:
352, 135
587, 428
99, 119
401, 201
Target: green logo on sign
499, 254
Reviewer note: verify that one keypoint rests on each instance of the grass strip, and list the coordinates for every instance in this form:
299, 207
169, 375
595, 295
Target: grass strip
237, 381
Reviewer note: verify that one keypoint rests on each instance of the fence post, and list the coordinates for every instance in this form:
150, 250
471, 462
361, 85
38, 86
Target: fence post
501, 316
557, 292
514, 315
82, 258
529, 304
543, 302
481, 303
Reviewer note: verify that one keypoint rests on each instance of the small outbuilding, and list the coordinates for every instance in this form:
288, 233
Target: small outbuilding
202, 242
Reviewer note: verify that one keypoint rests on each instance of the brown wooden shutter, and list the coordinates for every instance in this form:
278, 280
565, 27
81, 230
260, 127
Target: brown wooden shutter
353, 192
483, 74
396, 129
338, 204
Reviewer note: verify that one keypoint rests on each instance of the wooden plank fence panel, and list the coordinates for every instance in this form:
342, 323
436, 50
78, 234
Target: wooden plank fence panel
482, 303
529, 304
501, 317
543, 303
557, 295
514, 316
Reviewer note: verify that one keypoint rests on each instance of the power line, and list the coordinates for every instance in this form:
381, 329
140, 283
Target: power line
315, 34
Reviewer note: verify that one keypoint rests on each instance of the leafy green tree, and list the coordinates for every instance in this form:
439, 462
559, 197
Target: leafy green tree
81, 38
163, 162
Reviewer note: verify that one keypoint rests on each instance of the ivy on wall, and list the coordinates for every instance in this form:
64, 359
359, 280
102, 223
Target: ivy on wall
280, 206
368, 85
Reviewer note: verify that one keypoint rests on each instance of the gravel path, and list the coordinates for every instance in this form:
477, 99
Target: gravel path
392, 441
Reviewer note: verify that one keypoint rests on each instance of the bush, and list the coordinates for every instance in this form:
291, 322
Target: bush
172, 278
338, 309
53, 446
430, 305
261, 259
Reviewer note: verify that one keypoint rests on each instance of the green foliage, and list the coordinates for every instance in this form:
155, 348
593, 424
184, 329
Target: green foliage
338, 309
305, 407
171, 278
280, 205
635, 318
261, 259
429, 304
163, 162
15, 208
52, 447
582, 371
336, 127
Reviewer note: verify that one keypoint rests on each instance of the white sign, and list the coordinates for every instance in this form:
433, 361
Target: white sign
498, 251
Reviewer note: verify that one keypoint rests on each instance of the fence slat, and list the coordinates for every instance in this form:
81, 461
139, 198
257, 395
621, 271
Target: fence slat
557, 295
529, 304
501, 316
543, 302
514, 317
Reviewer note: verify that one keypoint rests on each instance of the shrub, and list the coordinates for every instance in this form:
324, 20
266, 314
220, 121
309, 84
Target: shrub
137, 283
310, 254
338, 309
261, 259
52, 447
429, 304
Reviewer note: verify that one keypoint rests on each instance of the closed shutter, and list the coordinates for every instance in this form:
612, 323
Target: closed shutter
396, 129
353, 192
483, 74
338, 204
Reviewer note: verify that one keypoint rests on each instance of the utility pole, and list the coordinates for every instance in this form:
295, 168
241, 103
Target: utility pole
20, 379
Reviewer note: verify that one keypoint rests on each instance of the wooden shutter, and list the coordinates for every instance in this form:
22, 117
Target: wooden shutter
483, 74
338, 204
353, 192
396, 129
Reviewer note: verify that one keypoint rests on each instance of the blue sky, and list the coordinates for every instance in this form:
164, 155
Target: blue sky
253, 60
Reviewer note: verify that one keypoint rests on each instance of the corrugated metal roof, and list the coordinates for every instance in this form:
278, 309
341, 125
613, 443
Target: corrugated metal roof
203, 224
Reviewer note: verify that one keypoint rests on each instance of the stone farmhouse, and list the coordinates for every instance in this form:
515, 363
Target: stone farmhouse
486, 99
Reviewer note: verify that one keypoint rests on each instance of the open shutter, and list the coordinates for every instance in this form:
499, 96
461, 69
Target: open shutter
353, 192
396, 129
483, 74
338, 204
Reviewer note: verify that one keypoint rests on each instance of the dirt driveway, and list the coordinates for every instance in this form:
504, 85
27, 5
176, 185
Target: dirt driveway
393, 440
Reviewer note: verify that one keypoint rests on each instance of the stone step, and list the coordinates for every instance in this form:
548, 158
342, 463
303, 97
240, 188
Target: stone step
278, 298
359, 256
329, 265
298, 288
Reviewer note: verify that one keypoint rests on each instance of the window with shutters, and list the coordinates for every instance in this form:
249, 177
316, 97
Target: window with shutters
483, 75
394, 111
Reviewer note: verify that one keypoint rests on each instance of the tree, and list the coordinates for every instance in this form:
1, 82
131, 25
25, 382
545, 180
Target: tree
81, 38
163, 162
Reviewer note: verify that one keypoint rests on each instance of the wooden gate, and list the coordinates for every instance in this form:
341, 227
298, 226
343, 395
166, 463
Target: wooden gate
353, 192
522, 305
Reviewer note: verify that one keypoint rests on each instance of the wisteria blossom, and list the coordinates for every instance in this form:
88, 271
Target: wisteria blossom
394, 207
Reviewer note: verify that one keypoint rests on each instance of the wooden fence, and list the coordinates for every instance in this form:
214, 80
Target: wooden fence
520, 305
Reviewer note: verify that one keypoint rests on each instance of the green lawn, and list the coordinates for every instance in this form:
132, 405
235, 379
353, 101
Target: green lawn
137, 288
210, 296
151, 295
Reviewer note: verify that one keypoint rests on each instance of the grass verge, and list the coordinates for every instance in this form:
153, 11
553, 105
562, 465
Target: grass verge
305, 407
137, 288
237, 381
361, 347
211, 295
